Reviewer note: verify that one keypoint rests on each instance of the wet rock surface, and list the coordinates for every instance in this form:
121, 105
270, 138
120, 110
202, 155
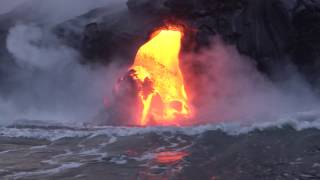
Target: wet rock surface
269, 154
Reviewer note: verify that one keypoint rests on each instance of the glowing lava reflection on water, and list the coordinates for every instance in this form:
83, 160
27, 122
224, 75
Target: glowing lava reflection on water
170, 157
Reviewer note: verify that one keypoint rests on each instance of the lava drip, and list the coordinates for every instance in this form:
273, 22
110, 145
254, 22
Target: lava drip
156, 70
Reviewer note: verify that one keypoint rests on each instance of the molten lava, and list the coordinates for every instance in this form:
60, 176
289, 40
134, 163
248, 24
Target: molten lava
161, 85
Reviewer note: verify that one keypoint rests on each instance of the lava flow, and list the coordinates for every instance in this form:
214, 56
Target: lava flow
161, 85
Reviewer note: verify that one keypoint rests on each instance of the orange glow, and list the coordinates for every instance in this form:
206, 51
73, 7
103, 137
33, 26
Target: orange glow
157, 71
170, 157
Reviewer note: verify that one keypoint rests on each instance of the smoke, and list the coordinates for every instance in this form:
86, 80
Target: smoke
45, 80
225, 86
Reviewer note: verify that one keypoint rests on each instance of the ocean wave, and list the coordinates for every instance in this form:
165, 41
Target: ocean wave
52, 171
299, 121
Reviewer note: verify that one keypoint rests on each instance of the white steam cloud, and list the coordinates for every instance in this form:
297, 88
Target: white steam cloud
34, 47
8, 5
55, 11
48, 82
227, 87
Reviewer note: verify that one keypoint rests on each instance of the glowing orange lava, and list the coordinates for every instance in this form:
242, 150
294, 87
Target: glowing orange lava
157, 70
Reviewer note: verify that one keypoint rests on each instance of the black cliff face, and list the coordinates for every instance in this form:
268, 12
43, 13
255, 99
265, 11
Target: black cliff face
274, 33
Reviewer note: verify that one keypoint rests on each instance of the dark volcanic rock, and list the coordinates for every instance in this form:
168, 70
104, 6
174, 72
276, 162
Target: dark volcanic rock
269, 31
108, 34
306, 45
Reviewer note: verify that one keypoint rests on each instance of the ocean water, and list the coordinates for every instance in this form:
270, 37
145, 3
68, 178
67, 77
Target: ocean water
287, 148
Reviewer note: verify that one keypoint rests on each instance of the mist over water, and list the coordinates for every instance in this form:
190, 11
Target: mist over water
49, 84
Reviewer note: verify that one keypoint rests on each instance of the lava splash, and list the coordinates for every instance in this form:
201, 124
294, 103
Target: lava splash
161, 85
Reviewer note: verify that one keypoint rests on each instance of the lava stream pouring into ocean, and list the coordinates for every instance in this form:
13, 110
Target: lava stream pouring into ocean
161, 86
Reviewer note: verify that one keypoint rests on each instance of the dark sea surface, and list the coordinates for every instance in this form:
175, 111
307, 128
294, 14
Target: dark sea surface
287, 149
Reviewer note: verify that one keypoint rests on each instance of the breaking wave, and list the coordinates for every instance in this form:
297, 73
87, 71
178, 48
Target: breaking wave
298, 121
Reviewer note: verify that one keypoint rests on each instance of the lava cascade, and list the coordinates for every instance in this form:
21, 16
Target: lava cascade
161, 85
